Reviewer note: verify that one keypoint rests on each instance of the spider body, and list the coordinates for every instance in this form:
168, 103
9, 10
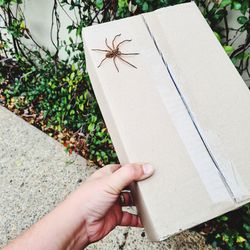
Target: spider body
114, 52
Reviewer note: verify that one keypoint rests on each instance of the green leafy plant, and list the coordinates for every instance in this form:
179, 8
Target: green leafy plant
230, 231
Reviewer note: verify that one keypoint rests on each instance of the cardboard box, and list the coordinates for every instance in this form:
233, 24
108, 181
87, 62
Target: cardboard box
185, 109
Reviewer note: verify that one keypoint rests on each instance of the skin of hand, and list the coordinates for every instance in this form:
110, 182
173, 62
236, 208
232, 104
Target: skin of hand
88, 214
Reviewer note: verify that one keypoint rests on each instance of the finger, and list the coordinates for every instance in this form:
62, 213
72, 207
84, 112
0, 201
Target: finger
127, 174
126, 199
104, 171
130, 220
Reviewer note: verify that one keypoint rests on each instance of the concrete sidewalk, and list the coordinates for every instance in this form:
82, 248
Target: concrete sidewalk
36, 174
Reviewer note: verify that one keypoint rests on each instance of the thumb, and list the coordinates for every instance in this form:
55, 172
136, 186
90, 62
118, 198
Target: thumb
127, 174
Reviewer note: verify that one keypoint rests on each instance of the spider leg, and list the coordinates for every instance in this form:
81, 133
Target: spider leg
106, 41
115, 63
113, 42
104, 50
129, 54
127, 40
101, 62
127, 62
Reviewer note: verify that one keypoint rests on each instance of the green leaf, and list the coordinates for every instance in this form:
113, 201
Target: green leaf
225, 237
99, 4
228, 49
91, 127
72, 75
93, 118
225, 3
223, 218
217, 36
79, 31
240, 239
246, 227
236, 5
81, 107
73, 67
145, 7
64, 100
244, 6
22, 25
122, 4
242, 20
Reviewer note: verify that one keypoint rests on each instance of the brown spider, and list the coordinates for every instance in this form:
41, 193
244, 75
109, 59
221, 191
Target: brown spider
114, 52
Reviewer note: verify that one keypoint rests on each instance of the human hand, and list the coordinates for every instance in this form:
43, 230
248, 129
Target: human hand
101, 208
88, 214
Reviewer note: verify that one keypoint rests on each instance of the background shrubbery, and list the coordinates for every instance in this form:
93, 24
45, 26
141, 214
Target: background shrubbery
55, 94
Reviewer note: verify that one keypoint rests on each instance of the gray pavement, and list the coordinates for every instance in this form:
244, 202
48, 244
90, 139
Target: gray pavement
36, 174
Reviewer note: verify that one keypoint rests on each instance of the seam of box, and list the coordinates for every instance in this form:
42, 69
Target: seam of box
223, 178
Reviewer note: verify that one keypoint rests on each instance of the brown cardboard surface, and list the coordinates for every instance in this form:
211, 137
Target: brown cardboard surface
178, 111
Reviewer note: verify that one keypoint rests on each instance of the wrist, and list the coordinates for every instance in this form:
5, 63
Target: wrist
61, 229
75, 226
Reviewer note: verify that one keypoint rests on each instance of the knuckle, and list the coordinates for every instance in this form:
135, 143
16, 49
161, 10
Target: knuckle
134, 170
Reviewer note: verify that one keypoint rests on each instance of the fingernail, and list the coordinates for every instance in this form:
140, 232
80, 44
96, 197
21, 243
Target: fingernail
148, 169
